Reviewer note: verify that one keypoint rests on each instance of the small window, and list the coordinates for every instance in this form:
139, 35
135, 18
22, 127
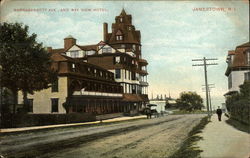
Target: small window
129, 28
117, 59
74, 54
73, 67
247, 76
30, 103
134, 46
54, 105
119, 37
248, 57
230, 81
123, 46
117, 73
139, 47
125, 71
107, 50
54, 86
121, 19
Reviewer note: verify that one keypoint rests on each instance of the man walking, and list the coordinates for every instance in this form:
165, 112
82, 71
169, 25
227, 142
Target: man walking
219, 113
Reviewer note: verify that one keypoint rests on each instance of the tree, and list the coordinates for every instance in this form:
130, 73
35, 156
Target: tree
26, 66
190, 101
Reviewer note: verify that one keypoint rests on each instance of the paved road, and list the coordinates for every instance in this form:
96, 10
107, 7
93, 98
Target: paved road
220, 140
158, 137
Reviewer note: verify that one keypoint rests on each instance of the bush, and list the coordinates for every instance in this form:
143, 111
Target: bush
238, 104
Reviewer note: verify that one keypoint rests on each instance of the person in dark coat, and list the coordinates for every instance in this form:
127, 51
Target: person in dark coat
219, 113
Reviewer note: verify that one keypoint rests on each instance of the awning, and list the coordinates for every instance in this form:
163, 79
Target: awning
230, 93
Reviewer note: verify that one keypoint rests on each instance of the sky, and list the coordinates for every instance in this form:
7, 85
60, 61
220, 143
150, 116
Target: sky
172, 34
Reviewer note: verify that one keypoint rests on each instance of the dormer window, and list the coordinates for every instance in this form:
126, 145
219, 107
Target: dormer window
74, 54
119, 38
107, 50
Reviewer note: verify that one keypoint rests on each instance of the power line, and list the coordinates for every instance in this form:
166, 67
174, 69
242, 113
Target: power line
205, 64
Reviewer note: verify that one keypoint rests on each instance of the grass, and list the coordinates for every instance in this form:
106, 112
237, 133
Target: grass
177, 112
188, 148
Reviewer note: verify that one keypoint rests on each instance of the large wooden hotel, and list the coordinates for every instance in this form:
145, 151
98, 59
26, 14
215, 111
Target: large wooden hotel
103, 78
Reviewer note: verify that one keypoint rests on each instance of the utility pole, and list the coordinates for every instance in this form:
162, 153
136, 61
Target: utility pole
205, 64
210, 86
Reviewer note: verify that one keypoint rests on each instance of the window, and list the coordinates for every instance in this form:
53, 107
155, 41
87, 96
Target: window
119, 37
107, 50
247, 76
73, 67
134, 46
54, 86
117, 59
121, 19
30, 103
125, 74
133, 89
95, 72
74, 54
230, 81
139, 47
117, 73
123, 46
90, 52
129, 28
54, 105
133, 76
248, 57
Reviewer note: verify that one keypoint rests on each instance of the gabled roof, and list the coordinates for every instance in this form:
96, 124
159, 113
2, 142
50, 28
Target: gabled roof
101, 43
89, 47
61, 50
244, 45
118, 32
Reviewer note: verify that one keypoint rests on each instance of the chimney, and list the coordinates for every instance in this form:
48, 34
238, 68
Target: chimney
49, 49
105, 32
69, 41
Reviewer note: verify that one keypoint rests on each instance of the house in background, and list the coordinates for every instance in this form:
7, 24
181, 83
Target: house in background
238, 69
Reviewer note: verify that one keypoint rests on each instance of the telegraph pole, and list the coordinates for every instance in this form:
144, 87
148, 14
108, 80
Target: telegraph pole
205, 64
209, 96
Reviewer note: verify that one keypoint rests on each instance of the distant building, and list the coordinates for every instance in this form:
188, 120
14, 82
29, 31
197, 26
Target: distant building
238, 69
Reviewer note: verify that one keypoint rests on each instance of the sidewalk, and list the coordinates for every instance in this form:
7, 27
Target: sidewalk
8, 130
220, 140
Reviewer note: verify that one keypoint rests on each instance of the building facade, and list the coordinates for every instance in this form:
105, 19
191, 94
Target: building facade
238, 69
120, 53
108, 77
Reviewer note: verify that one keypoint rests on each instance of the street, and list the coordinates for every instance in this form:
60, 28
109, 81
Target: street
157, 137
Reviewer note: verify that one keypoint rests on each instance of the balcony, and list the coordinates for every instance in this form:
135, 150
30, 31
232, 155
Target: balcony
143, 83
143, 72
143, 62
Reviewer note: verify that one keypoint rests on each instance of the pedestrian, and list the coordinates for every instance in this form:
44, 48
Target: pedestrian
219, 113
